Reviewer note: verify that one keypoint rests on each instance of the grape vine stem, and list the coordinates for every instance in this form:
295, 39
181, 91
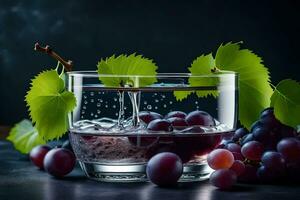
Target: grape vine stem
67, 64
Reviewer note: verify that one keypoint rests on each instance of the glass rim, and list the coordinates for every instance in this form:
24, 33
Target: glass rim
94, 74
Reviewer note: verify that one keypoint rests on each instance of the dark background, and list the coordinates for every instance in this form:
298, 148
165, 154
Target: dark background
171, 32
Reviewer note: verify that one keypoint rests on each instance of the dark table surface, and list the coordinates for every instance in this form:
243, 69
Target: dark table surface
19, 180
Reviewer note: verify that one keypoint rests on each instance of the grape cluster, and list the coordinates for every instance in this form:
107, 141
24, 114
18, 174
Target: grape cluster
268, 153
58, 161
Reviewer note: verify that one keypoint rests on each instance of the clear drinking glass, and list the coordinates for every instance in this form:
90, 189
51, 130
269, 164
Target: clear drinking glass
113, 144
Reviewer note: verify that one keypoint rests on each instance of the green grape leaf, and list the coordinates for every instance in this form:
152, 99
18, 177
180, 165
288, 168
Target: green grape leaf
127, 66
203, 65
180, 95
286, 102
49, 104
254, 87
24, 136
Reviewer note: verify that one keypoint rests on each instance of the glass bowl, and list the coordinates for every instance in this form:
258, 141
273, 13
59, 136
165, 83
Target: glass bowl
110, 131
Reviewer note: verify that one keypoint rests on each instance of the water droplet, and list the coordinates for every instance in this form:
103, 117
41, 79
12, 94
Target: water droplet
85, 102
165, 105
116, 114
83, 112
114, 106
84, 96
101, 100
98, 111
155, 107
83, 107
96, 116
92, 114
106, 106
196, 102
156, 100
149, 107
155, 94
171, 102
92, 100
115, 99
125, 108
98, 104
197, 107
163, 96
145, 102
99, 92
92, 93
81, 117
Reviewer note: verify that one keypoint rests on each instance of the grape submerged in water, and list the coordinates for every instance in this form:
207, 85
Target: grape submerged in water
160, 125
37, 155
164, 169
223, 178
147, 116
199, 118
220, 159
178, 114
178, 123
59, 162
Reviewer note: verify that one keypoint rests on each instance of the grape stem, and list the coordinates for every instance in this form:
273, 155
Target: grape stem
67, 64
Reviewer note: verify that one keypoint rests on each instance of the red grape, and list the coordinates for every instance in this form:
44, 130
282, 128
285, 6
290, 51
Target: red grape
249, 175
266, 174
253, 150
147, 116
164, 169
290, 149
179, 114
220, 159
238, 156
238, 167
160, 125
37, 155
59, 162
223, 178
178, 123
239, 133
199, 118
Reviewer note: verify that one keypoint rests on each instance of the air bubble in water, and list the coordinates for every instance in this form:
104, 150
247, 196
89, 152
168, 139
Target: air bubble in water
165, 105
85, 102
92, 114
163, 96
149, 107
114, 106
84, 96
155, 107
125, 108
92, 100
106, 106
196, 102
101, 100
156, 100
171, 102
116, 114
98, 111
83, 107
145, 102
83, 112
115, 99
96, 116
98, 104
92, 93
197, 107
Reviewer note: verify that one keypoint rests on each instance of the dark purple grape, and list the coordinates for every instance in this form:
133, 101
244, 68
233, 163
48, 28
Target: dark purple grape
164, 169
59, 162
178, 123
147, 116
267, 112
37, 155
253, 150
223, 178
142, 140
178, 114
268, 118
238, 167
200, 118
233, 147
273, 160
247, 138
256, 125
290, 149
249, 175
160, 125
239, 133
293, 171
261, 134
268, 175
